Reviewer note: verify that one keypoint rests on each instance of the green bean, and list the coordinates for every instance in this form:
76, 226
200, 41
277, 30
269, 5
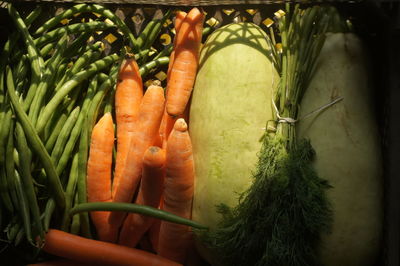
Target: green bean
77, 44
81, 182
98, 98
6, 122
76, 221
142, 54
45, 50
88, 57
14, 36
9, 165
4, 191
20, 235
47, 79
60, 73
144, 35
27, 180
70, 193
69, 85
23, 207
33, 15
13, 229
21, 68
145, 69
48, 212
71, 29
82, 8
206, 31
109, 103
69, 147
156, 30
35, 143
135, 208
165, 52
59, 121
34, 56
64, 135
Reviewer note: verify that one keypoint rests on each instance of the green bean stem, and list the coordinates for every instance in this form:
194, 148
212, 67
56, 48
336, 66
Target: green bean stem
69, 85
36, 144
135, 208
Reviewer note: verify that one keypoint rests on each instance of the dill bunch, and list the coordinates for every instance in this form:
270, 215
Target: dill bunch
279, 219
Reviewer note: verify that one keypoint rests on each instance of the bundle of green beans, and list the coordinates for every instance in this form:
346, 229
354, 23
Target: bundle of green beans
54, 82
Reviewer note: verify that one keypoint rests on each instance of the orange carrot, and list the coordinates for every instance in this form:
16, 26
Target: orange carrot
99, 174
148, 123
185, 63
179, 17
96, 252
154, 231
150, 191
174, 239
128, 95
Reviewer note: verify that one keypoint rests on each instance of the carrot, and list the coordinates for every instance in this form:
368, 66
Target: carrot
148, 123
174, 240
96, 252
154, 231
128, 95
185, 63
179, 17
150, 191
99, 174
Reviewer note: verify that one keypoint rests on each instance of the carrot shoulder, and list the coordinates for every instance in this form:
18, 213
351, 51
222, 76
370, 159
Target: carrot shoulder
96, 252
128, 95
174, 239
150, 191
99, 173
185, 62
148, 123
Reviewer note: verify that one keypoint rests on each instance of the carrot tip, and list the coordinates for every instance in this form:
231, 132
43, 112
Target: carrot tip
180, 125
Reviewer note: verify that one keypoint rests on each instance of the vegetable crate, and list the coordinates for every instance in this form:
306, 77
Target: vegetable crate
79, 48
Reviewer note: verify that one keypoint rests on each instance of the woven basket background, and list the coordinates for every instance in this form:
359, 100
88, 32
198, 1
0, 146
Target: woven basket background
377, 22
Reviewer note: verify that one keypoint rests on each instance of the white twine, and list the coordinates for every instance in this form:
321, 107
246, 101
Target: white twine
292, 121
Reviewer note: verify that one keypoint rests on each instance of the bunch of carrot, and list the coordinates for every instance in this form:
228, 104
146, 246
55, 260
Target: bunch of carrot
153, 163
